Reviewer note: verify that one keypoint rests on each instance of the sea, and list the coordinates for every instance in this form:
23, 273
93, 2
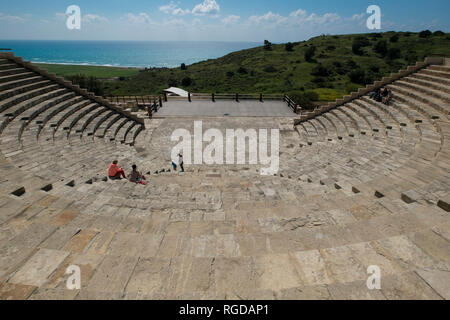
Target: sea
138, 54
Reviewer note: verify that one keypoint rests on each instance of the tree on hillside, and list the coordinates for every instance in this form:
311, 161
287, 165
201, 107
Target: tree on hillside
393, 53
358, 44
320, 71
289, 47
394, 38
381, 48
186, 82
242, 70
425, 34
438, 33
357, 76
183, 66
309, 54
267, 45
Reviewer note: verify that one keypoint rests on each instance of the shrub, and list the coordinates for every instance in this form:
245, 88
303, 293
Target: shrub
320, 71
230, 74
438, 33
172, 82
411, 57
374, 69
267, 45
242, 70
358, 44
91, 84
394, 38
304, 99
425, 34
376, 35
270, 69
331, 48
393, 53
183, 66
357, 76
186, 82
381, 47
289, 47
309, 54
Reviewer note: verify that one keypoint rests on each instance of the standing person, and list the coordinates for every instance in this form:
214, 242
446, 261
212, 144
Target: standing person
115, 172
136, 177
181, 162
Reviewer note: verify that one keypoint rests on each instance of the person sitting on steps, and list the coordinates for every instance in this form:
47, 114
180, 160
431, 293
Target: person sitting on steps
136, 177
115, 172
386, 96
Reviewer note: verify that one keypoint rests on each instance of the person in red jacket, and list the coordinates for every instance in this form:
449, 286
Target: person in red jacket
115, 172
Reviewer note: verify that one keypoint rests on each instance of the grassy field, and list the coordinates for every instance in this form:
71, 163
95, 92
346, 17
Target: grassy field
98, 72
334, 70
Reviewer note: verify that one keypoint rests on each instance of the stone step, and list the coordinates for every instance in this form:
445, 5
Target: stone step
26, 97
445, 69
15, 83
24, 75
24, 88
436, 73
9, 72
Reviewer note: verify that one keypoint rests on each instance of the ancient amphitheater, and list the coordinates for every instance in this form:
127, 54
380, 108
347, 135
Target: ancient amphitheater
360, 184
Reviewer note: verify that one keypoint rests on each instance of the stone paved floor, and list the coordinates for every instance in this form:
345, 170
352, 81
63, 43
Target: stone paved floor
219, 108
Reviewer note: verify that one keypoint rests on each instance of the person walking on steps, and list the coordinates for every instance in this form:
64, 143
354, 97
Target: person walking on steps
181, 162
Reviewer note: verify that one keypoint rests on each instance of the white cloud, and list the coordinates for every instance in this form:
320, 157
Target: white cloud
92, 18
231, 19
298, 13
269, 17
168, 8
358, 17
13, 19
180, 12
173, 9
298, 17
138, 19
207, 7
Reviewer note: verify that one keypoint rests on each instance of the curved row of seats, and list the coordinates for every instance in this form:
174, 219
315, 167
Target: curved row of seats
40, 117
407, 140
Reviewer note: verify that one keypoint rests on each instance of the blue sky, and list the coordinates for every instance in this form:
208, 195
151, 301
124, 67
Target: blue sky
222, 20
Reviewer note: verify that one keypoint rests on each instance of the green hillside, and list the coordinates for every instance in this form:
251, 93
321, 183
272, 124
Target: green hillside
336, 66
89, 71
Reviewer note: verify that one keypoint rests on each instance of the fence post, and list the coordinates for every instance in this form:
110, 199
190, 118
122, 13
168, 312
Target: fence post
260, 97
237, 97
213, 98
189, 97
165, 96
160, 102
